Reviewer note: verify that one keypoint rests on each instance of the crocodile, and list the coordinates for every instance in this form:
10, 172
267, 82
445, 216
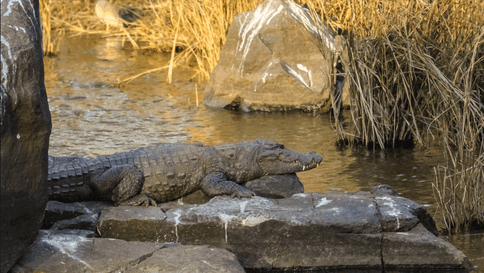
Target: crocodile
169, 171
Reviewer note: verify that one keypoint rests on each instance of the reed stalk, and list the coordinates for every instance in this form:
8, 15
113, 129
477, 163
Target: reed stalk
416, 73
459, 191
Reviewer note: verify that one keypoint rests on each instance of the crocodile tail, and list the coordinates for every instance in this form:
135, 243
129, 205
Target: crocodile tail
69, 181
69, 178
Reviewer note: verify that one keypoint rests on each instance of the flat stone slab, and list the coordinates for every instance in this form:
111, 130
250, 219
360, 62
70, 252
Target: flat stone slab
310, 231
73, 251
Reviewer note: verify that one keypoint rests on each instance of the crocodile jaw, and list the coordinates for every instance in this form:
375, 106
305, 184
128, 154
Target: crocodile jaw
288, 161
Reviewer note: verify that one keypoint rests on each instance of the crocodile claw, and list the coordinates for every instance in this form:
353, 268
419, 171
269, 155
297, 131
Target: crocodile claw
138, 200
245, 193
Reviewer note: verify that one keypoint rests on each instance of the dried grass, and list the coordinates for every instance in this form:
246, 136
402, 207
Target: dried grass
197, 27
459, 191
417, 72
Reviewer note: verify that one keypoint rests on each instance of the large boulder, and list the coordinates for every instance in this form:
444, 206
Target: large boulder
277, 57
309, 231
74, 251
25, 129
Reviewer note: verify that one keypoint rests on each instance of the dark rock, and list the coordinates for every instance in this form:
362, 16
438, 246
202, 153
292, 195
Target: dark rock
395, 215
425, 218
276, 186
395, 209
57, 211
120, 222
197, 197
307, 231
25, 129
187, 258
94, 207
346, 213
384, 189
86, 222
418, 249
72, 251
277, 57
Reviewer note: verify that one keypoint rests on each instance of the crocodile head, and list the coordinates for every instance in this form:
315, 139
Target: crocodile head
274, 158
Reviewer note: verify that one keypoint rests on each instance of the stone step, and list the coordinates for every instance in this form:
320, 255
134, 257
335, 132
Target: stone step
73, 251
310, 231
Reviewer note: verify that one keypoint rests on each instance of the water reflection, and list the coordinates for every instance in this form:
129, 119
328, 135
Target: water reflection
91, 117
472, 244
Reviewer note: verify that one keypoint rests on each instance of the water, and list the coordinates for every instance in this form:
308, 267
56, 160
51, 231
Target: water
91, 117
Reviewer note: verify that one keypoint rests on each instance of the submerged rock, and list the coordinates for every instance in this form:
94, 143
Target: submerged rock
73, 251
25, 129
277, 57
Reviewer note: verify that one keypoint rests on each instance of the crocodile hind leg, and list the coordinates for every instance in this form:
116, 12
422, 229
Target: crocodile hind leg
217, 184
122, 184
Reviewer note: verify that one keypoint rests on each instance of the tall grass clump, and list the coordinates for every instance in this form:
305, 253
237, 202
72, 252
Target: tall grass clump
415, 67
416, 71
459, 190
194, 29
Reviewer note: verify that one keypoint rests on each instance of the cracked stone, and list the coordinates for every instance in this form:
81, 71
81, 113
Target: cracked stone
72, 251
310, 231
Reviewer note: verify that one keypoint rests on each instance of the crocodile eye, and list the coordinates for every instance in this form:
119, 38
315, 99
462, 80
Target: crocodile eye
270, 146
273, 146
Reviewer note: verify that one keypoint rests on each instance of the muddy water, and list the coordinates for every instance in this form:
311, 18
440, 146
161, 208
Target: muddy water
91, 118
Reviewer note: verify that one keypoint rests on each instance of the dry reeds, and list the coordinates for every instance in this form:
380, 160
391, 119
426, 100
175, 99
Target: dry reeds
196, 28
417, 72
459, 191
50, 44
412, 72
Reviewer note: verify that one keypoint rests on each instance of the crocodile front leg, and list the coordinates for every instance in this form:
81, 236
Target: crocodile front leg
217, 184
122, 184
